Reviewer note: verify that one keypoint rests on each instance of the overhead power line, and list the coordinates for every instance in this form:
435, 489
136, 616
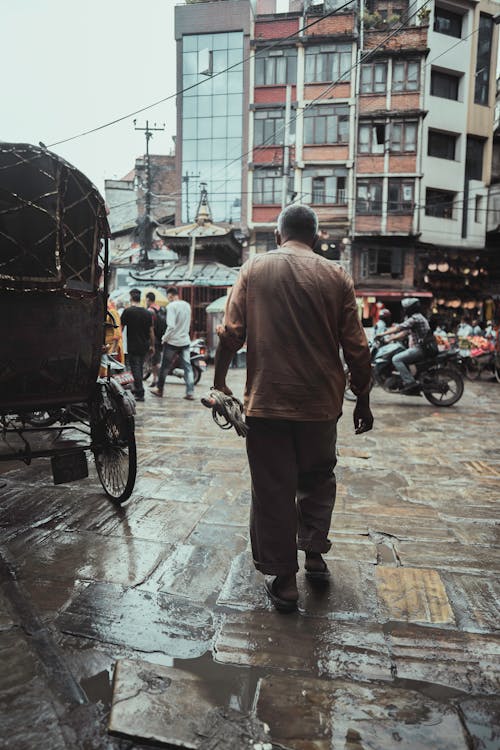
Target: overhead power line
194, 85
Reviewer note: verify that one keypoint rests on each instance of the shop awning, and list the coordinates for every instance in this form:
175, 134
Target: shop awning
392, 293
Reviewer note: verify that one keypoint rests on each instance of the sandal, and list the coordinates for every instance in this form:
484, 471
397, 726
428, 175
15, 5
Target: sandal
282, 605
317, 574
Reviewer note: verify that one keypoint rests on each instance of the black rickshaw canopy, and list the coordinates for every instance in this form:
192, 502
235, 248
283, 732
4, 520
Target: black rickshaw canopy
52, 221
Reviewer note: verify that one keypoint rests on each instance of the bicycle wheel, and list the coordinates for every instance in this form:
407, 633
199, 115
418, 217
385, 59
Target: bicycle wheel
443, 386
115, 453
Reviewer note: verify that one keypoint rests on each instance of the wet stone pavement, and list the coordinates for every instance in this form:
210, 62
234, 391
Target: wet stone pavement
402, 650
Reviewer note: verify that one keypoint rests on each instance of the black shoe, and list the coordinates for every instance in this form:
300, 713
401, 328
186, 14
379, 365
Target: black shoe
316, 568
413, 389
282, 605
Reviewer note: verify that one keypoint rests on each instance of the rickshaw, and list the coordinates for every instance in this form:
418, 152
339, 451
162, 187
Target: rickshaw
53, 312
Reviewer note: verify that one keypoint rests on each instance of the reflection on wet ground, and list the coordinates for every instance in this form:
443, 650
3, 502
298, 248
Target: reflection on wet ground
151, 618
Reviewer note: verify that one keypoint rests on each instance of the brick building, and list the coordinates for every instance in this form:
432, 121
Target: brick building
373, 120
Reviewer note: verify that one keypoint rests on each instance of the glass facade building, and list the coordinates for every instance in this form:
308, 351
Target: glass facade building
212, 121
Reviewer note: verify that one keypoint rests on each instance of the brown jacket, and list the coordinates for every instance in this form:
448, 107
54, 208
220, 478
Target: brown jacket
295, 309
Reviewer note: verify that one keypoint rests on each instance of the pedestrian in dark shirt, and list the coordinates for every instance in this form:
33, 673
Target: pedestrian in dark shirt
295, 310
140, 338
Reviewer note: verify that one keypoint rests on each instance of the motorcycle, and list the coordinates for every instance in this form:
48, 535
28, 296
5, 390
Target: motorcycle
198, 355
438, 376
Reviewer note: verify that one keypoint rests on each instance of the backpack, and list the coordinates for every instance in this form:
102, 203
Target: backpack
160, 323
430, 345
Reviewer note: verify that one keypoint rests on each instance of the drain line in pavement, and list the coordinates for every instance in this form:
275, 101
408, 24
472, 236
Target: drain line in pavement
59, 675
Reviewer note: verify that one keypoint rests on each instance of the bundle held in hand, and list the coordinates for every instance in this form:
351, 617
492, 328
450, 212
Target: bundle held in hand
227, 408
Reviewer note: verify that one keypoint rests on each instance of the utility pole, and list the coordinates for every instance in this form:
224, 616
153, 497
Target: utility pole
147, 225
185, 180
286, 147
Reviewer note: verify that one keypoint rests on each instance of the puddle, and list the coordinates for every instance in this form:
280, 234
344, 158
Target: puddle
98, 688
229, 686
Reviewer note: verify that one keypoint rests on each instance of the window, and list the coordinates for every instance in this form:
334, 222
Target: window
446, 22
483, 60
371, 138
324, 124
406, 75
328, 63
324, 186
444, 85
264, 242
477, 209
382, 262
267, 186
401, 197
269, 126
403, 137
441, 145
277, 66
374, 78
474, 158
369, 197
439, 203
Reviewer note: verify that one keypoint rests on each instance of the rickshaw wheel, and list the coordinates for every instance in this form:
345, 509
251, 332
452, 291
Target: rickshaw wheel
116, 455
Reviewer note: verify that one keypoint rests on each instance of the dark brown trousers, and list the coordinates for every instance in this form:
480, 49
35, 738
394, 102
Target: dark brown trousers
293, 490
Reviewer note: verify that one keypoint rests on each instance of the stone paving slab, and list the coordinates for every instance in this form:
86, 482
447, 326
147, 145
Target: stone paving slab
89, 556
413, 595
331, 648
313, 714
449, 556
350, 594
463, 661
476, 601
139, 620
7, 617
482, 719
27, 710
194, 572
166, 522
176, 707
227, 538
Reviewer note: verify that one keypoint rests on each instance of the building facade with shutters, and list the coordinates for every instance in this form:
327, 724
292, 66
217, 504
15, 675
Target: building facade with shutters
381, 120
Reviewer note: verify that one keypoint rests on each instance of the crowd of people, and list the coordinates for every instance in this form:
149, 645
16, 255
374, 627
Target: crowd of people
139, 331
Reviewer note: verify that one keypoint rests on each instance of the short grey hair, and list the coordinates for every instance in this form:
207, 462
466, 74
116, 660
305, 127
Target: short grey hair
297, 222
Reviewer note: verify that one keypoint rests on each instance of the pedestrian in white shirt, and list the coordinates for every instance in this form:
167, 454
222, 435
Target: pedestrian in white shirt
176, 340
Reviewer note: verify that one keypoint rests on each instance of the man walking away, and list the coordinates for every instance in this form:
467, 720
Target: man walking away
159, 327
176, 339
140, 338
295, 310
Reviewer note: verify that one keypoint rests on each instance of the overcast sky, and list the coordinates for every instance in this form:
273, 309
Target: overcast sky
73, 65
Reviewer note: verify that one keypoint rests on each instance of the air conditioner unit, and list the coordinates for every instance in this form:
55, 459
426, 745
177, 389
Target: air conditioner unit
205, 62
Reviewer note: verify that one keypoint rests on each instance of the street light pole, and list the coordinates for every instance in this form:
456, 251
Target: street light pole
147, 226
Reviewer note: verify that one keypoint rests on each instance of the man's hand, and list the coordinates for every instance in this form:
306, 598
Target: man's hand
362, 416
224, 389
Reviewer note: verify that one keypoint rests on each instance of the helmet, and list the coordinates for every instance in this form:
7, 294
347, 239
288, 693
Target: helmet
410, 305
385, 314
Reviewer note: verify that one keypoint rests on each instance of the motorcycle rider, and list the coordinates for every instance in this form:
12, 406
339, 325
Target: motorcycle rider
384, 320
416, 326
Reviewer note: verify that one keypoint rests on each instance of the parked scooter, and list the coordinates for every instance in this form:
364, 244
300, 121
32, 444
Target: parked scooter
198, 355
438, 376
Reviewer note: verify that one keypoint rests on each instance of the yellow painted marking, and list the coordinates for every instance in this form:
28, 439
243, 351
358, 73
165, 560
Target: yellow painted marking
413, 595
